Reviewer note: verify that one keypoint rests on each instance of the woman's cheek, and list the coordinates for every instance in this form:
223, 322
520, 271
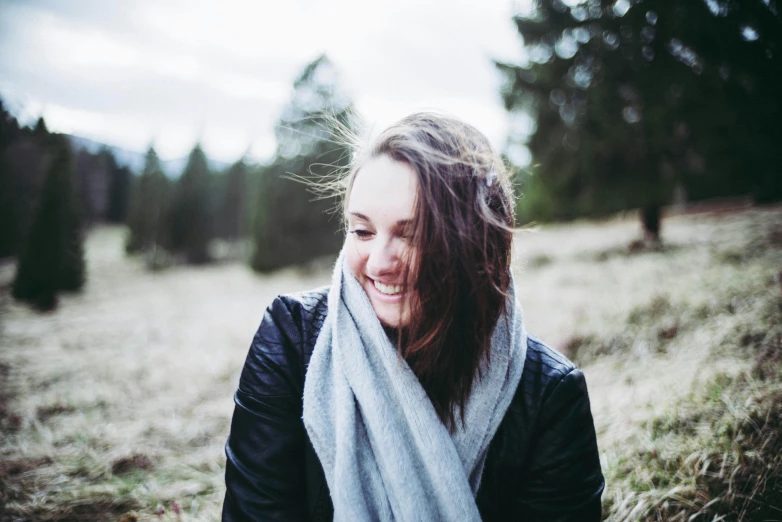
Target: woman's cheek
353, 256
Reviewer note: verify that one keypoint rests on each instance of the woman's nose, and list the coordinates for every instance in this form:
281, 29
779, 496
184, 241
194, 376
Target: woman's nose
383, 258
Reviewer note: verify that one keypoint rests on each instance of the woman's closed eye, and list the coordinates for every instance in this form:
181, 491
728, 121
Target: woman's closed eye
361, 233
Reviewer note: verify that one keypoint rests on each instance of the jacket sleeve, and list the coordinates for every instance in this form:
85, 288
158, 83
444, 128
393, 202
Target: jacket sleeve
264, 470
562, 479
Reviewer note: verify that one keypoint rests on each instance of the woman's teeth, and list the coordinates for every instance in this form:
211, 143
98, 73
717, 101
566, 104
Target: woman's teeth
388, 289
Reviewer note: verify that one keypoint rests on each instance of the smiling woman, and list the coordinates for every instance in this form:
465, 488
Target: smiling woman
409, 389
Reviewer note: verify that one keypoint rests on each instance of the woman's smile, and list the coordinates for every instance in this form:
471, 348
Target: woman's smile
388, 291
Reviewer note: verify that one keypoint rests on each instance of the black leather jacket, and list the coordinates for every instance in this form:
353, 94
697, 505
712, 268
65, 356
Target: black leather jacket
542, 465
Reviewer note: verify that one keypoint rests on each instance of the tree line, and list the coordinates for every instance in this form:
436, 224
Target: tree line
273, 206
635, 104
50, 193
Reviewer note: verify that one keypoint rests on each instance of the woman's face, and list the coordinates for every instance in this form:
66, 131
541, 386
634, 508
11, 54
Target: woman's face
380, 211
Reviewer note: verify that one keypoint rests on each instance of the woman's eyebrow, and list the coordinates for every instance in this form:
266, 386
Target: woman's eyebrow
402, 223
360, 216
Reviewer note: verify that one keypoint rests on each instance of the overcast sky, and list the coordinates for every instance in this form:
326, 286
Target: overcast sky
176, 71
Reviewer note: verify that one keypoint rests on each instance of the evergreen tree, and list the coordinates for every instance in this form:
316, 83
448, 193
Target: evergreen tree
120, 179
72, 270
149, 206
27, 163
92, 179
191, 212
53, 257
9, 223
232, 209
292, 225
40, 128
635, 97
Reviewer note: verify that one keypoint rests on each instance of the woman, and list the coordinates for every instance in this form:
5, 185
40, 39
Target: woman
409, 389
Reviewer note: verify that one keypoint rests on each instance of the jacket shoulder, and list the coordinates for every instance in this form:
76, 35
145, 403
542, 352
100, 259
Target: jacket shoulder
543, 367
283, 342
544, 370
543, 463
308, 308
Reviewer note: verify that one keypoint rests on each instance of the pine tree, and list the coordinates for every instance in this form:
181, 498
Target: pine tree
40, 128
292, 225
25, 164
53, 257
635, 97
232, 209
191, 213
120, 179
9, 222
92, 179
149, 206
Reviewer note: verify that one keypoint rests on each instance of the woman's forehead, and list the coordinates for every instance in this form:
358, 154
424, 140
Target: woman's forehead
384, 190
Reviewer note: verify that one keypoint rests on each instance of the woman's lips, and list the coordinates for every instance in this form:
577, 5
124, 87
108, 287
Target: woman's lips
378, 294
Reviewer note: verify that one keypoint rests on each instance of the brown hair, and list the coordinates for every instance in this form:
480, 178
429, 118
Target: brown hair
461, 238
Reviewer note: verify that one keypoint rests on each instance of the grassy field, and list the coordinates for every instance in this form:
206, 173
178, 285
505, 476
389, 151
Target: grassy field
117, 406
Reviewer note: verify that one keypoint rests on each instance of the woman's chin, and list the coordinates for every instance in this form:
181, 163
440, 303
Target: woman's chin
388, 320
388, 316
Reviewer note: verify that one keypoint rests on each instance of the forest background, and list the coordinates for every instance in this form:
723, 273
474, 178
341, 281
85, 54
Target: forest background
639, 107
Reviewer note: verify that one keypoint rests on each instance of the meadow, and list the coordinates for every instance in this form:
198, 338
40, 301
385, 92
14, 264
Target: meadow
117, 405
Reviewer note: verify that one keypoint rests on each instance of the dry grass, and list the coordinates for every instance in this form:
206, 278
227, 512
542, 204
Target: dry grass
122, 398
119, 403
718, 454
681, 348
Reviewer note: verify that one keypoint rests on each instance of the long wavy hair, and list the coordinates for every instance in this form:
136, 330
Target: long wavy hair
461, 250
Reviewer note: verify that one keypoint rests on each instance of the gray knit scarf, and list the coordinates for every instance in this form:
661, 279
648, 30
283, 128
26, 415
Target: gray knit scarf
385, 453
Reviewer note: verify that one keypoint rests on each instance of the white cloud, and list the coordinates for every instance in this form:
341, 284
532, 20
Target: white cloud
249, 30
67, 47
181, 66
228, 142
66, 119
248, 87
114, 129
174, 140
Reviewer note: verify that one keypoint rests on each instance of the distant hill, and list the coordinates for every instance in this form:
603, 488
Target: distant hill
135, 160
